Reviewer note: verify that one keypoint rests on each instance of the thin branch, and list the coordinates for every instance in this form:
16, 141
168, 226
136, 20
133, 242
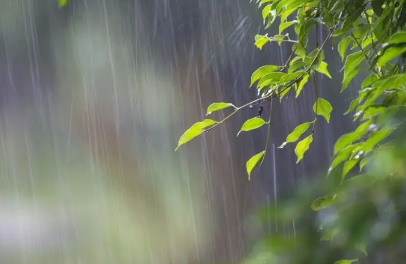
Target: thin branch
285, 87
268, 134
365, 55
317, 98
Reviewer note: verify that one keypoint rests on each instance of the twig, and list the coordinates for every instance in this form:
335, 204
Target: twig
268, 134
365, 55
317, 98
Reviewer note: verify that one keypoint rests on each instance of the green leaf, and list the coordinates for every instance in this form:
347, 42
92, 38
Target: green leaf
353, 104
349, 138
352, 61
348, 166
375, 138
297, 132
323, 202
302, 84
218, 106
397, 38
279, 38
322, 68
389, 54
261, 40
283, 26
262, 71
323, 107
346, 261
365, 161
62, 3
341, 157
302, 147
377, 7
252, 124
252, 162
347, 79
369, 80
291, 76
269, 78
194, 131
343, 46
266, 11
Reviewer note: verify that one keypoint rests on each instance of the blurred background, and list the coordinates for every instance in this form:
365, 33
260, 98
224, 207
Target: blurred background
94, 97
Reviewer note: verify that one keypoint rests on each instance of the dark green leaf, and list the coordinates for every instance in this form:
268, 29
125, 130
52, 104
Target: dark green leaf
323, 202
377, 7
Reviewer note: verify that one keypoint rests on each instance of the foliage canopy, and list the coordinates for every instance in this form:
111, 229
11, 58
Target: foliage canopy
368, 35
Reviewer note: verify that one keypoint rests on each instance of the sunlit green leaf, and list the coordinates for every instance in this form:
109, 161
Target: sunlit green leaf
369, 80
323, 107
322, 68
194, 131
353, 104
291, 76
262, 71
349, 138
283, 26
348, 78
252, 162
348, 166
390, 53
375, 138
341, 157
279, 38
252, 124
261, 40
399, 37
343, 45
346, 261
218, 106
266, 11
269, 78
296, 133
352, 61
62, 2
302, 147
302, 83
